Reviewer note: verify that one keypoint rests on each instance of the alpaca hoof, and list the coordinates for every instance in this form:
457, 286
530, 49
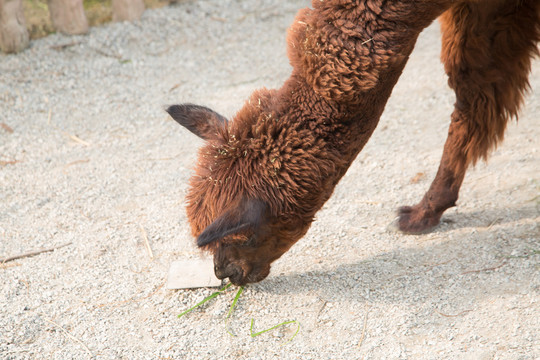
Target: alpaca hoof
394, 226
415, 220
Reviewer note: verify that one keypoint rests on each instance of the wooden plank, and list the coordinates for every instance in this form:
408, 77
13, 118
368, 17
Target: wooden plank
192, 273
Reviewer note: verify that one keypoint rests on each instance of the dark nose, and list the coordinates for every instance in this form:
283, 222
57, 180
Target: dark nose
222, 272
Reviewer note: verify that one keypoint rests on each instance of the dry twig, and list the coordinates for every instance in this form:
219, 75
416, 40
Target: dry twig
6, 127
7, 266
174, 87
31, 253
76, 138
494, 222
365, 42
105, 53
71, 136
417, 178
66, 45
8, 162
145, 236
364, 327
485, 269
64, 170
67, 333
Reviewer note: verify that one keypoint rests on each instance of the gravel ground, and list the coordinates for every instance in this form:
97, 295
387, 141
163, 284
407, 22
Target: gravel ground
92, 160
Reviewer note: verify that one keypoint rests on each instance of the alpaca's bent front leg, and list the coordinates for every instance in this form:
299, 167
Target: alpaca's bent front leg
487, 51
443, 192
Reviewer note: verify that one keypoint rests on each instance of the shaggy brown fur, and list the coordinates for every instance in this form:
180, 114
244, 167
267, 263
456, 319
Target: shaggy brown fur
261, 177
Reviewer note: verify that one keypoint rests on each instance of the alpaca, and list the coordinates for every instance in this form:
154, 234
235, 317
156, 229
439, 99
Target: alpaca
261, 177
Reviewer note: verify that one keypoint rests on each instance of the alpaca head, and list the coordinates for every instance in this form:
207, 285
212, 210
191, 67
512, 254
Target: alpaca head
243, 206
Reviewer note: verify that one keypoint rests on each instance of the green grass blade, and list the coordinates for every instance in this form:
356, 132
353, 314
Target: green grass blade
206, 299
235, 301
231, 309
274, 327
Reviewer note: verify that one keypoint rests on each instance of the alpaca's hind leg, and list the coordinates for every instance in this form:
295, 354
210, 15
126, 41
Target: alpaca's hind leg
487, 52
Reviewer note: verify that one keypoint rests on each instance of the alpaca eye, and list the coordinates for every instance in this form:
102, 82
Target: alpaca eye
251, 242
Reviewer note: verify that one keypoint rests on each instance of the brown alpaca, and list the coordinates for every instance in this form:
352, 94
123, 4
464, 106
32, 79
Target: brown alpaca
262, 176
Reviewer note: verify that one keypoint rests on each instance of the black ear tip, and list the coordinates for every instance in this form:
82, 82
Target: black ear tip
204, 239
173, 109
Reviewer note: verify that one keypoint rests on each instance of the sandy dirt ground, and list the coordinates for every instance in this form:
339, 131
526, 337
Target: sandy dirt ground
89, 158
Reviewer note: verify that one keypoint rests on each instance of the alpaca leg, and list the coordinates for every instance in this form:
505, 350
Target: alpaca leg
487, 51
443, 192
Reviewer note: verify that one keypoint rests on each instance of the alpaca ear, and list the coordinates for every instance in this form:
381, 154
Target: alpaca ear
200, 120
247, 219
